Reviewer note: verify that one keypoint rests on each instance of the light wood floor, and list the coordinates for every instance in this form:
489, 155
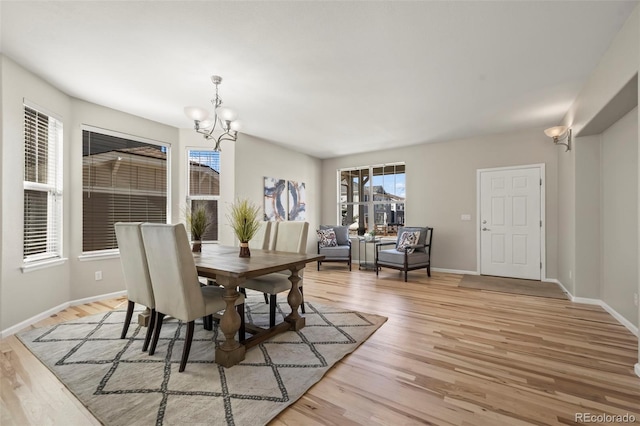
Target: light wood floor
447, 355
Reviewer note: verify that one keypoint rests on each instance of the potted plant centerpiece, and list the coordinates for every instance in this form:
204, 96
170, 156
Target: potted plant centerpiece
243, 218
197, 222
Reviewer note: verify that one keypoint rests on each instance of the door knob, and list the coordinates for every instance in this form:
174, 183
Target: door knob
486, 229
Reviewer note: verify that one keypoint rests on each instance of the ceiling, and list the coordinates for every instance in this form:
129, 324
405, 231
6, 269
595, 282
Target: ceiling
323, 78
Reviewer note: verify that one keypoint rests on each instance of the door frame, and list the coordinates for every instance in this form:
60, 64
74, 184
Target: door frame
543, 228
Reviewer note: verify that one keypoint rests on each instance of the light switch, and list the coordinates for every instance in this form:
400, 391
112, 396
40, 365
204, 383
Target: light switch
465, 217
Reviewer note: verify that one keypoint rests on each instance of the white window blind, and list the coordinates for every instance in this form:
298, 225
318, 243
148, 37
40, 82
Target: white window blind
124, 180
42, 186
204, 187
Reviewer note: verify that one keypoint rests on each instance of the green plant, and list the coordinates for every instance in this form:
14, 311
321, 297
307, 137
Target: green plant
243, 218
197, 222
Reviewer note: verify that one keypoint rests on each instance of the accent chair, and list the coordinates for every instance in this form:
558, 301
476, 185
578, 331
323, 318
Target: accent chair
412, 251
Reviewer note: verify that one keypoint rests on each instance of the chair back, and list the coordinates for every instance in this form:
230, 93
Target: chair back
173, 273
291, 237
262, 238
134, 263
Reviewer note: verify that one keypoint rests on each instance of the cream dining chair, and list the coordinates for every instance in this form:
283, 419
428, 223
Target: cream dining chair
289, 237
174, 279
136, 274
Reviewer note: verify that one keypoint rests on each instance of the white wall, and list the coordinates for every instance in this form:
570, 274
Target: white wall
256, 158
620, 215
23, 295
588, 215
83, 283
441, 186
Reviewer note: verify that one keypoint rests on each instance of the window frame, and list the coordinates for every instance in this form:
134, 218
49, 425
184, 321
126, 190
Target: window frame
54, 190
189, 198
370, 202
111, 253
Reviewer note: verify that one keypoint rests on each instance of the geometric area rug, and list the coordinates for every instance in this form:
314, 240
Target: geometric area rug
121, 385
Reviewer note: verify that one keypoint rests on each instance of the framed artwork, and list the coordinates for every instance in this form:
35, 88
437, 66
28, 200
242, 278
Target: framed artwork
275, 199
297, 201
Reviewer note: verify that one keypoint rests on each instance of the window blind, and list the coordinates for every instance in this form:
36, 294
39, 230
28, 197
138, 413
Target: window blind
42, 226
124, 180
204, 187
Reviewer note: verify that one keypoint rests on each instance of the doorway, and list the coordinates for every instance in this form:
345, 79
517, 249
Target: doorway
511, 222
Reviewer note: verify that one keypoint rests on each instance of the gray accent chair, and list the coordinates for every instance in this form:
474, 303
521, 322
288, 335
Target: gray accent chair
339, 253
136, 274
176, 288
402, 260
289, 237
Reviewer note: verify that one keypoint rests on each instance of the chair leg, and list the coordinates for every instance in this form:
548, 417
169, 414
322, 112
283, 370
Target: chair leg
150, 327
429, 270
243, 291
266, 298
242, 330
272, 310
156, 332
207, 321
318, 266
405, 275
127, 320
302, 305
187, 345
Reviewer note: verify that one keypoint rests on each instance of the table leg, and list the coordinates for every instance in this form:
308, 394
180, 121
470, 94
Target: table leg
294, 299
230, 352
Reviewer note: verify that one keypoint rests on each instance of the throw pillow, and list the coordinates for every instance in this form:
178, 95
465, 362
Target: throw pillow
406, 240
327, 238
342, 233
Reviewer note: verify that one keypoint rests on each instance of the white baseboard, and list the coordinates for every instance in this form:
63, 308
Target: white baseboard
455, 271
589, 301
622, 320
637, 369
99, 297
46, 314
26, 323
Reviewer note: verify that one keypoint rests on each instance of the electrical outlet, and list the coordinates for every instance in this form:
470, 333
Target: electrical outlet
635, 299
98, 275
465, 217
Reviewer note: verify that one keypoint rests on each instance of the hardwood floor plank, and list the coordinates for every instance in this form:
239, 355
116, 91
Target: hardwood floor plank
446, 356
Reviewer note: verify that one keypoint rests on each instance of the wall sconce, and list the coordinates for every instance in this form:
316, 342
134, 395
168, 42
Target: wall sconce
559, 133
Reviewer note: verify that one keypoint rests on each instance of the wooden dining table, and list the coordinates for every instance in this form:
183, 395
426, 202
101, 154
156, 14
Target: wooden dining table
223, 264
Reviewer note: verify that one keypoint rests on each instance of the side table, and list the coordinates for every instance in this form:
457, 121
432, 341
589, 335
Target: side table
362, 253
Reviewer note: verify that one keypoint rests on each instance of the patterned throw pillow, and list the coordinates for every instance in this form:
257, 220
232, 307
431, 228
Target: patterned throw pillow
327, 238
408, 239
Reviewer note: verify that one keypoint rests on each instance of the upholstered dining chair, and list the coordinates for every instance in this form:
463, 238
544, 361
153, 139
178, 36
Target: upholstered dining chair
136, 274
412, 251
289, 237
176, 288
262, 239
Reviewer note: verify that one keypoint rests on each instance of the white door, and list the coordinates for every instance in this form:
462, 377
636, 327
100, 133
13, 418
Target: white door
510, 223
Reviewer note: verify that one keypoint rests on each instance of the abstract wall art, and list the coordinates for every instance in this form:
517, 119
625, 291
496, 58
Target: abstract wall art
275, 199
297, 201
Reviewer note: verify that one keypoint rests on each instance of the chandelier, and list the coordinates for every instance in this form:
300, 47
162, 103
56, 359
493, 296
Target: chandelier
223, 117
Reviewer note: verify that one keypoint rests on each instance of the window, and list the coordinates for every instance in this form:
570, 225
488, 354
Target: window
372, 198
124, 179
42, 186
204, 187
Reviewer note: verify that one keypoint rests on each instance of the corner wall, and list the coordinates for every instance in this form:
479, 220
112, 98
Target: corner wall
256, 158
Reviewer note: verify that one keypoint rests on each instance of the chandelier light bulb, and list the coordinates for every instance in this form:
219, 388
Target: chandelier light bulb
555, 132
235, 125
206, 124
196, 113
226, 114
